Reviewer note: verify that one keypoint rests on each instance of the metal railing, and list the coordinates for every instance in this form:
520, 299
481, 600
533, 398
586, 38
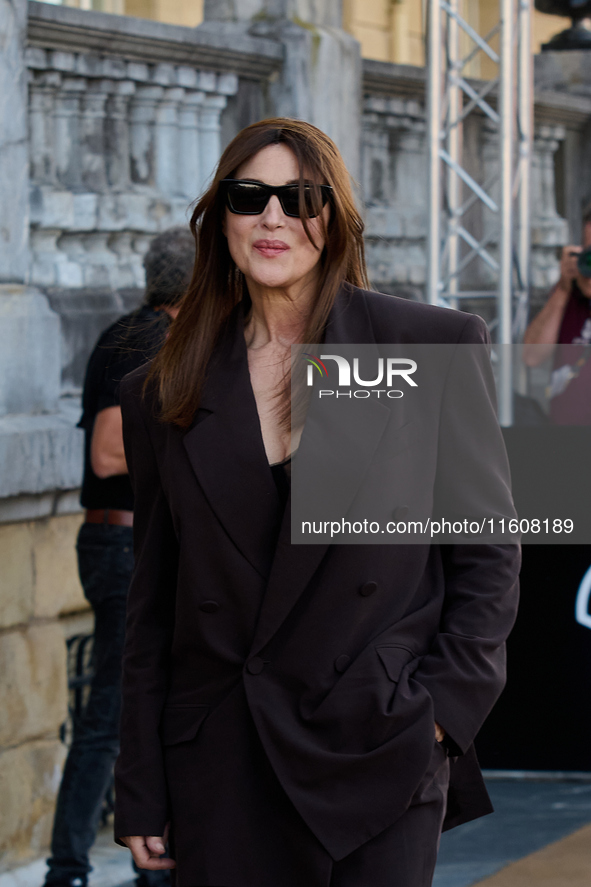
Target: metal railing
80, 673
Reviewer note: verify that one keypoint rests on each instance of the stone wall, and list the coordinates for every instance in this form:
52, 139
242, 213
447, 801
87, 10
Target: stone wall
126, 119
39, 589
37, 582
125, 124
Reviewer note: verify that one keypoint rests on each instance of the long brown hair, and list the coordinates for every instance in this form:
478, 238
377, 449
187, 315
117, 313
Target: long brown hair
218, 285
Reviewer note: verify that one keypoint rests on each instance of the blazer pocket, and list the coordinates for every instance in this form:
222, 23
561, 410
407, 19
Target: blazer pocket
394, 659
181, 723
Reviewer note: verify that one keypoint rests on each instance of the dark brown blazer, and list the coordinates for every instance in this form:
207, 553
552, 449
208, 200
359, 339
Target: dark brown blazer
346, 654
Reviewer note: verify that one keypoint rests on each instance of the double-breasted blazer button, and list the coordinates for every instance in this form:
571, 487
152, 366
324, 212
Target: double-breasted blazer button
255, 665
341, 663
209, 606
368, 588
400, 512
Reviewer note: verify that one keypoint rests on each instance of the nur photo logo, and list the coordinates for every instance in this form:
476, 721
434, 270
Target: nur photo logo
388, 370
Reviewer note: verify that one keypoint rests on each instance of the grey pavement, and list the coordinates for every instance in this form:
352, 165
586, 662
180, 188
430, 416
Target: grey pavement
111, 866
528, 816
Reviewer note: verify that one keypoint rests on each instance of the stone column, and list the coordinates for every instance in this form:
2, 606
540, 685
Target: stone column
410, 180
410, 190
117, 135
543, 186
549, 230
67, 132
42, 91
190, 149
209, 136
14, 227
126, 272
166, 141
321, 77
142, 115
92, 135
376, 185
99, 262
29, 330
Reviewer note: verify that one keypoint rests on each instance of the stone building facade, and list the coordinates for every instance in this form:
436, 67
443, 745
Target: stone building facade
387, 30
111, 127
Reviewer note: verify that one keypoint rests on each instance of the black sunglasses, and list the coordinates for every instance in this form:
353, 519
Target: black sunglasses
246, 198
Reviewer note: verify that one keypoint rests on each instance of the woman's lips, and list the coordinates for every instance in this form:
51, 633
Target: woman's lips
270, 247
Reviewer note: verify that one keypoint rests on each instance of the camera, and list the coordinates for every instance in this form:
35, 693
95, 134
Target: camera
584, 262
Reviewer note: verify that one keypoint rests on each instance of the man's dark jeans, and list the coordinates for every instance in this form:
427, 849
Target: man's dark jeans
105, 563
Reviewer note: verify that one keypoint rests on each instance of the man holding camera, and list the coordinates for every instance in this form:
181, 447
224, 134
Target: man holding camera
565, 321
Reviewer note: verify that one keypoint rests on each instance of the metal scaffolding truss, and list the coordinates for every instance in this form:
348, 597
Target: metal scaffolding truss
506, 101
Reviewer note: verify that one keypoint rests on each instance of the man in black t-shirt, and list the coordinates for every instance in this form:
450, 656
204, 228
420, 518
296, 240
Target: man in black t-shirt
105, 554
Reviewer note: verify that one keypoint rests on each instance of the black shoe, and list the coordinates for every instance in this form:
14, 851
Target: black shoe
76, 881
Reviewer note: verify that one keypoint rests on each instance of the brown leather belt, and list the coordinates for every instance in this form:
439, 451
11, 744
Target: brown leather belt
115, 517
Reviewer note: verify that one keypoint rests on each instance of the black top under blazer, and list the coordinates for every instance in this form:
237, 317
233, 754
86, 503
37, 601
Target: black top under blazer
220, 601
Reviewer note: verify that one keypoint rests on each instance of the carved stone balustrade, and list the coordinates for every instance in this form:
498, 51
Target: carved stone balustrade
393, 164
118, 151
549, 231
127, 119
394, 179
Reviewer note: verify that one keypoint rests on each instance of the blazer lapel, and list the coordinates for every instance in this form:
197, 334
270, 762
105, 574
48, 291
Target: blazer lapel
294, 565
226, 450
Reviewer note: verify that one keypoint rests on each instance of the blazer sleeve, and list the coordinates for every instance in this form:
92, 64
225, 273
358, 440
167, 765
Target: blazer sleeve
464, 669
140, 787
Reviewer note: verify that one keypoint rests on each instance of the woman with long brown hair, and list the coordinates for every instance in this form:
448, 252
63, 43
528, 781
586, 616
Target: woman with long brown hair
291, 713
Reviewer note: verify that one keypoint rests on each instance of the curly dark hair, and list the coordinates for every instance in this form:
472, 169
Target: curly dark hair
169, 265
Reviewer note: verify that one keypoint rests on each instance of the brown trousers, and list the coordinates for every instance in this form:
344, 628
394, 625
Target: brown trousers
238, 828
